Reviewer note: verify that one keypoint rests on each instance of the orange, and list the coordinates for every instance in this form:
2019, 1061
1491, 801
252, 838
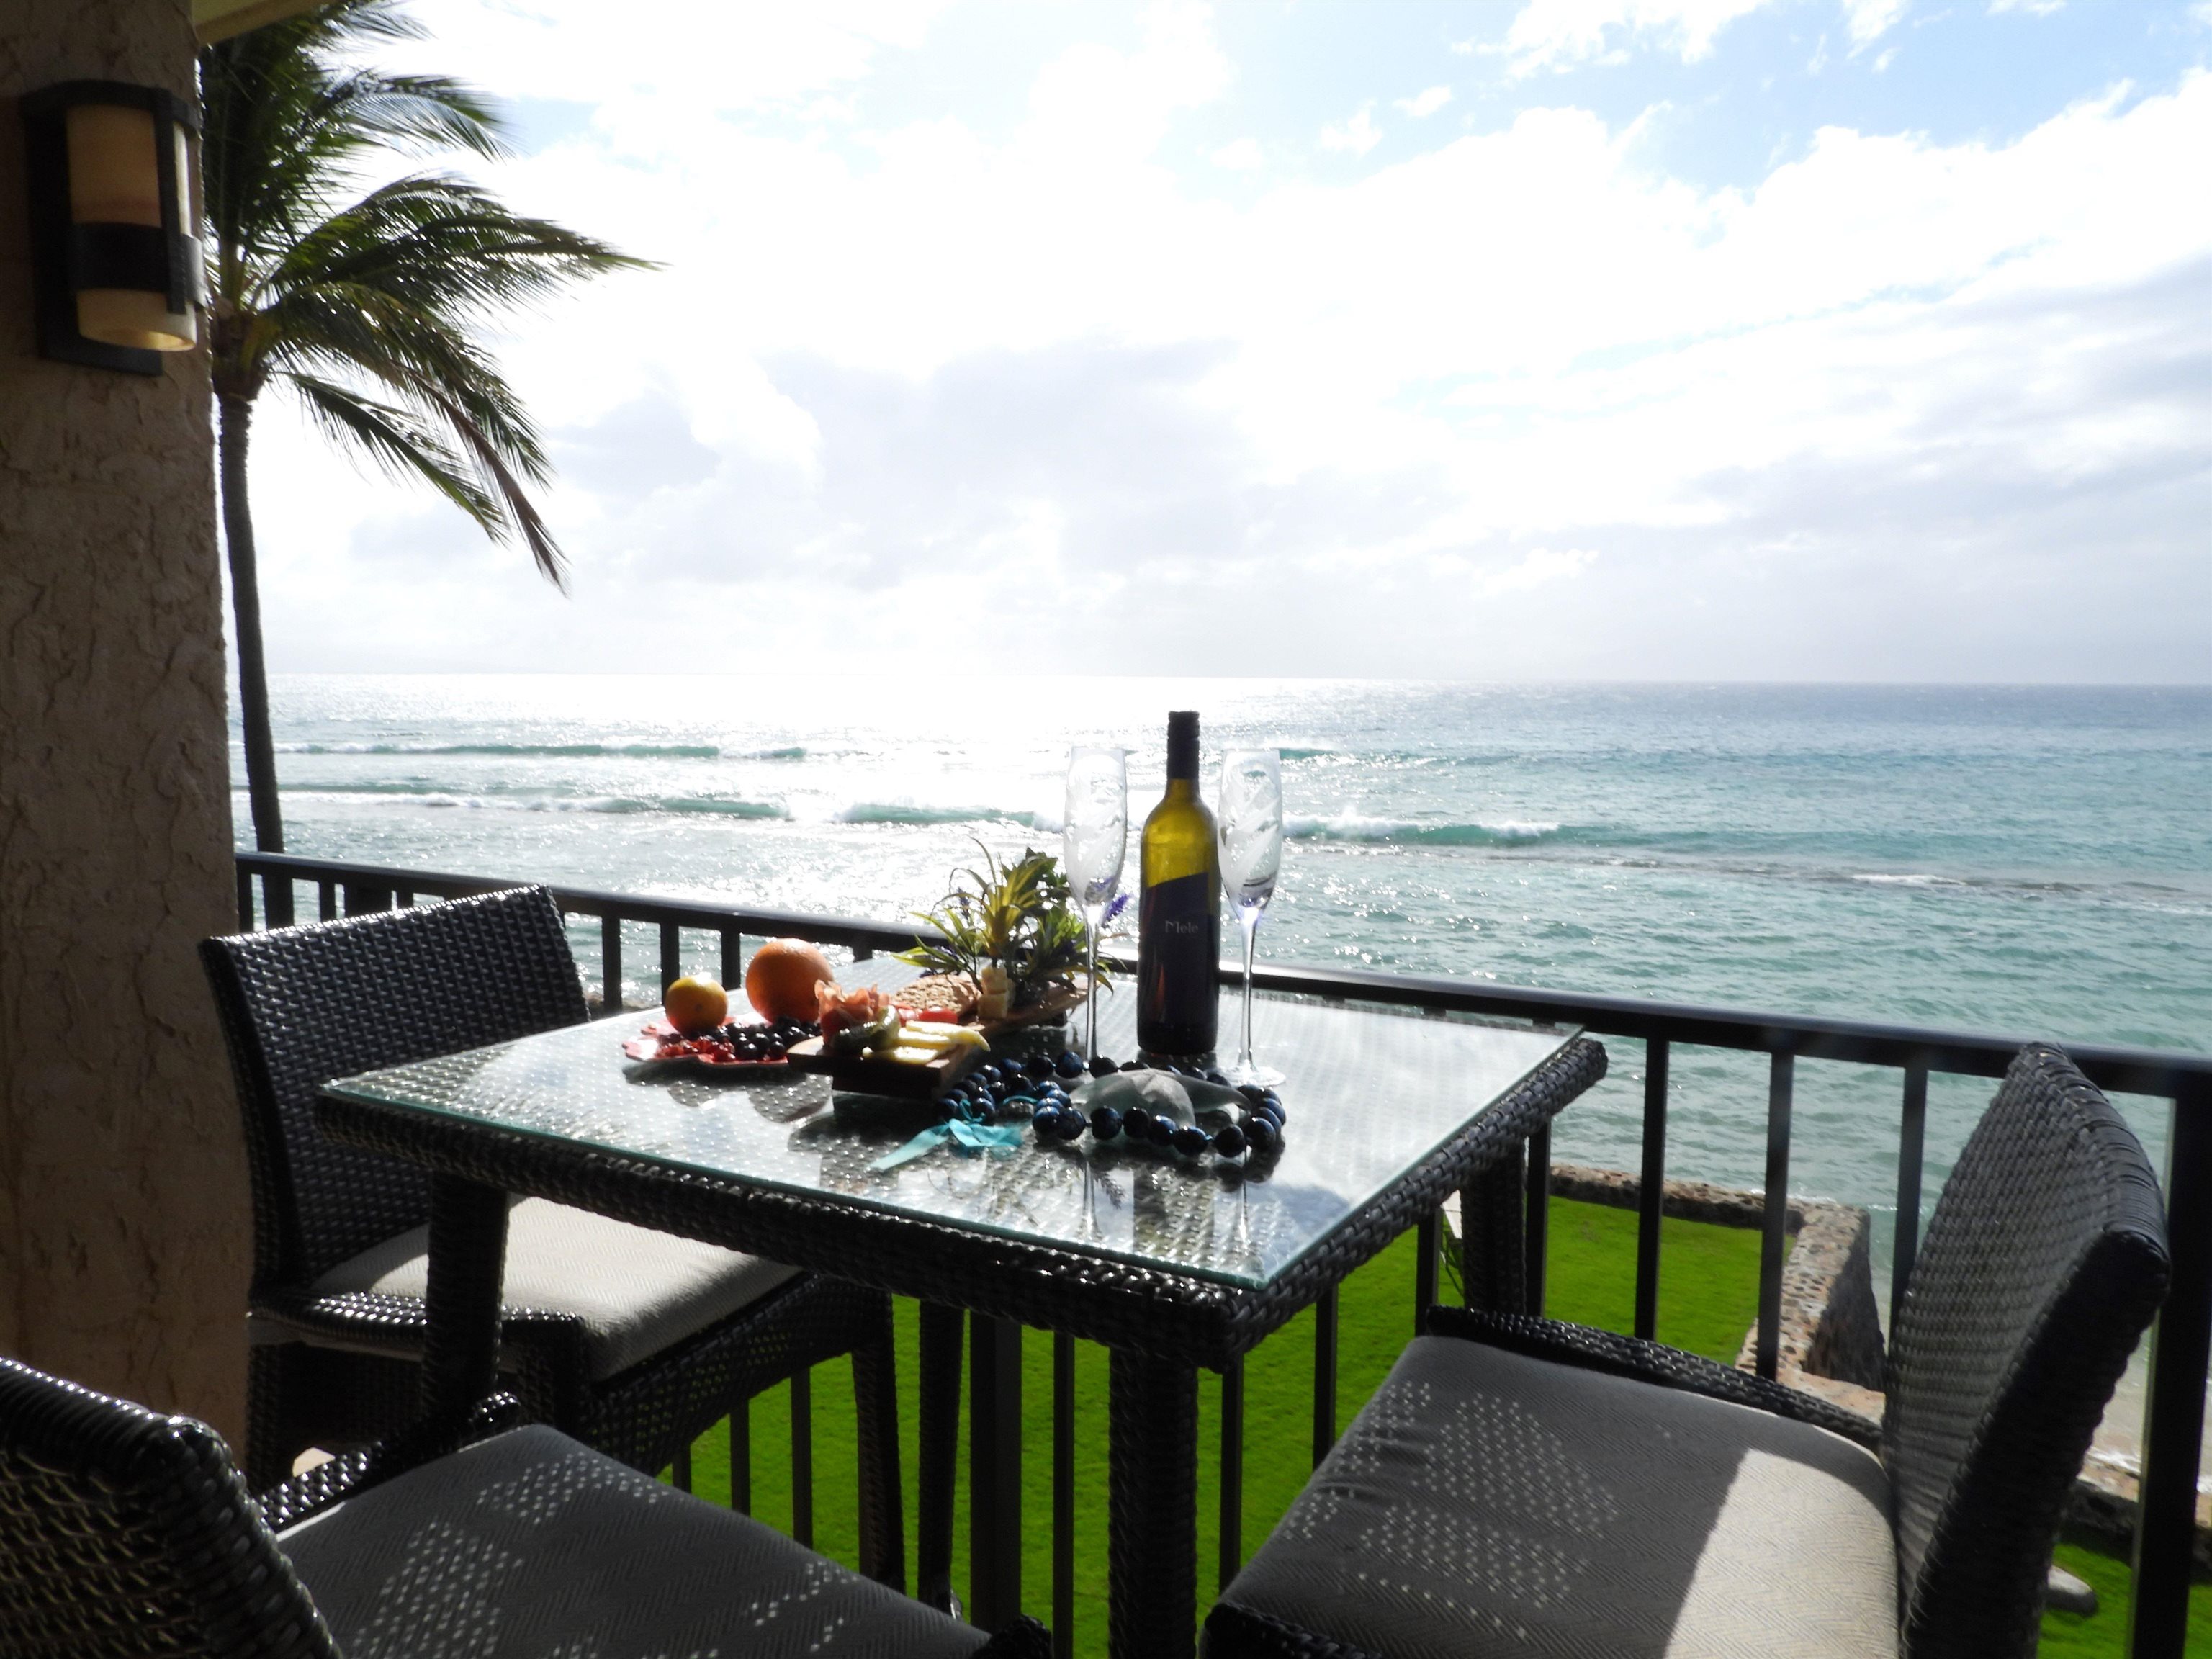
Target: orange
695, 1007
779, 980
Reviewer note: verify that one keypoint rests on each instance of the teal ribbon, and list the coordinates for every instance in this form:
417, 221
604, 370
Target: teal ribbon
968, 1137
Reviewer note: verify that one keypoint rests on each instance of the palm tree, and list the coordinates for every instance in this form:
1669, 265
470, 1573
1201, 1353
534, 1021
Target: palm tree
364, 306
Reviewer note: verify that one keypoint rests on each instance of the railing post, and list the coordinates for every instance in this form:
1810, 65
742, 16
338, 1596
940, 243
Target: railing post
1427, 1236
1063, 1494
1324, 1393
1781, 1075
733, 963
1536, 1221
361, 898
994, 1470
610, 986
1651, 1194
244, 880
1232, 1472
2173, 1409
741, 1456
326, 900
937, 1400
802, 1455
276, 900
1912, 1155
671, 955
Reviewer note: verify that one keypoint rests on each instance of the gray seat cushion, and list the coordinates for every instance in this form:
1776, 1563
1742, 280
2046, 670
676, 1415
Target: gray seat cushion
1487, 1503
638, 1291
529, 1545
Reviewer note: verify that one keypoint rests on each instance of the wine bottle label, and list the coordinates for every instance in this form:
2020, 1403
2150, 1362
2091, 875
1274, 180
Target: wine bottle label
1178, 952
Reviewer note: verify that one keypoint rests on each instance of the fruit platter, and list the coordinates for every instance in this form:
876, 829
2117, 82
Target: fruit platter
694, 1030
870, 1045
750, 1046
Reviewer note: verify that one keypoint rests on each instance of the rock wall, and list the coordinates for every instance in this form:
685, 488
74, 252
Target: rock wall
124, 1231
1830, 1326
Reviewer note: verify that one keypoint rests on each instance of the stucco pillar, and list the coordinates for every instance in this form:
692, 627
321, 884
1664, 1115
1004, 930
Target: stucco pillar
124, 1233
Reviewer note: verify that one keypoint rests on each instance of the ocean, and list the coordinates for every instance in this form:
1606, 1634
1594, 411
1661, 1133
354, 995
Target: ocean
2019, 859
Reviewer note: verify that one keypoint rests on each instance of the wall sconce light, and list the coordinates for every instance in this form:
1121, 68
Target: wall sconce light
119, 274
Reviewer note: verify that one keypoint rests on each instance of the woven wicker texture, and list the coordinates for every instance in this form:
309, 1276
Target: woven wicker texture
1487, 1503
2043, 1265
530, 1544
125, 1534
303, 1004
1171, 1313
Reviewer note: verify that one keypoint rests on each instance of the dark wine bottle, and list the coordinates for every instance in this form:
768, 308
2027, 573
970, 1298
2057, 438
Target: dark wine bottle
1178, 910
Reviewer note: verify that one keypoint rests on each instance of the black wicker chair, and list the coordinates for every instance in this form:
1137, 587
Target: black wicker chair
633, 1341
1520, 1486
126, 1534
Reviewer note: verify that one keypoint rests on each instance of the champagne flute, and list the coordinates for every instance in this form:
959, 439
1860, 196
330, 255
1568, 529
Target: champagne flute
1094, 841
1251, 815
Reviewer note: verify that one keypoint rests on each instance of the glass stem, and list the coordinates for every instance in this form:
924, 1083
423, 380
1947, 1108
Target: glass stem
1094, 917
1249, 915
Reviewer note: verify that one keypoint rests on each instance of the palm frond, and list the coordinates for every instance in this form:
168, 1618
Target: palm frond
396, 441
369, 304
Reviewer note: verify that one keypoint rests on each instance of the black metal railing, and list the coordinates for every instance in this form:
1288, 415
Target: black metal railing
2180, 1343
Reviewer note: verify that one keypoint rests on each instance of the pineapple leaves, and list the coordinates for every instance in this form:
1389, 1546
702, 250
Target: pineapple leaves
1020, 915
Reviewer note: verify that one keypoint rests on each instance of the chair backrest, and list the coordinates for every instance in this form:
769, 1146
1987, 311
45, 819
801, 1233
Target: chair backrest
2044, 1263
126, 1534
301, 1006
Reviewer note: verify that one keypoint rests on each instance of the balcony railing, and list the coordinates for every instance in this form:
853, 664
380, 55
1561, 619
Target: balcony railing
2180, 1342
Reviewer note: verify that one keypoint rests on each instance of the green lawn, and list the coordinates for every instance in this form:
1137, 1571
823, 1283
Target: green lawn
1708, 1295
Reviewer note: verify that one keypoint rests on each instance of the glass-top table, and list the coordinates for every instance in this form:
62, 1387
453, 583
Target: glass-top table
1373, 1095
1174, 1265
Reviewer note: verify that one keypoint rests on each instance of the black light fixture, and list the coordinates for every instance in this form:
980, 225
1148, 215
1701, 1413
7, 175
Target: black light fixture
117, 270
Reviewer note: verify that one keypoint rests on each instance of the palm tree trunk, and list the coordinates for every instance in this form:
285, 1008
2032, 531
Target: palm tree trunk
236, 418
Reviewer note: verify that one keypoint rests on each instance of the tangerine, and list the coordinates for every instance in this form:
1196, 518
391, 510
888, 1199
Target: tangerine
779, 980
695, 1007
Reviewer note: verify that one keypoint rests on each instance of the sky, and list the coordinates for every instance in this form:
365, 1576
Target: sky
1566, 340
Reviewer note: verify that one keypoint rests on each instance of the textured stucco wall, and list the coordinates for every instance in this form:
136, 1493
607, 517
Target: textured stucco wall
124, 1233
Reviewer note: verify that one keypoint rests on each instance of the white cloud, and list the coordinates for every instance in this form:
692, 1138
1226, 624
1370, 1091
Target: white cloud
1559, 34
1241, 155
1356, 136
1425, 104
1556, 33
1870, 19
1887, 411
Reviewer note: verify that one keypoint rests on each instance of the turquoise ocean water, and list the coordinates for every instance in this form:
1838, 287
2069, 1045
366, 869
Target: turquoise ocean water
2023, 860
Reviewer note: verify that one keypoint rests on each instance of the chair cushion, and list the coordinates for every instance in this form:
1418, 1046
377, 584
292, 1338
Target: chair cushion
1488, 1503
529, 1545
638, 1291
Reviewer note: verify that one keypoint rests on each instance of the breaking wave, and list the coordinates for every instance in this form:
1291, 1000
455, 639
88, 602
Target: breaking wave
1358, 827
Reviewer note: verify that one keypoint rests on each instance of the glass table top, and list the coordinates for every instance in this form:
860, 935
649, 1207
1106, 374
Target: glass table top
1369, 1095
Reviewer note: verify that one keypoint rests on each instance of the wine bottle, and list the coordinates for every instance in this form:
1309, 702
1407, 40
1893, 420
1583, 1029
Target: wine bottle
1178, 910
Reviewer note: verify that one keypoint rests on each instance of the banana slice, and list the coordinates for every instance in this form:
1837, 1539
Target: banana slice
939, 1038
